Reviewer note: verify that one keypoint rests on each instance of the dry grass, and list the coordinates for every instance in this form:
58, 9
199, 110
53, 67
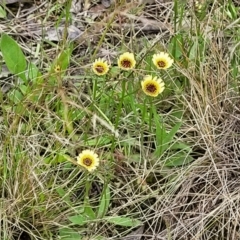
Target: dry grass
40, 189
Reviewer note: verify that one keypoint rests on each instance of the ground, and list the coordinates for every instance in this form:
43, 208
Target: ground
119, 120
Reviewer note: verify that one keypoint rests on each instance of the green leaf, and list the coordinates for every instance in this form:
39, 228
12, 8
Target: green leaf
193, 52
182, 146
78, 220
24, 89
160, 134
33, 73
103, 140
85, 217
64, 58
167, 139
88, 211
124, 221
232, 11
178, 159
171, 134
13, 56
178, 112
163, 138
69, 234
176, 46
65, 196
15, 96
3, 13
104, 203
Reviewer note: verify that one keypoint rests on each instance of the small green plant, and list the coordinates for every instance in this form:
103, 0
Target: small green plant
103, 140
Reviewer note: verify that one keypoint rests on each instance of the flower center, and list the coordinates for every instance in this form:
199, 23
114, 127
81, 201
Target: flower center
151, 88
87, 161
161, 64
99, 68
126, 63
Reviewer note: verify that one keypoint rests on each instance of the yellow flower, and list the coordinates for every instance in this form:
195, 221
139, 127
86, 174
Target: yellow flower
162, 60
126, 61
57, 69
152, 86
88, 159
100, 67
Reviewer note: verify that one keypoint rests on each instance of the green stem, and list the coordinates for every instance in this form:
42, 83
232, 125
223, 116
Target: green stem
103, 35
151, 114
119, 110
88, 183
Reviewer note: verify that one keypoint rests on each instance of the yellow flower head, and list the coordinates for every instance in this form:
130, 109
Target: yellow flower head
57, 69
126, 61
100, 67
88, 159
152, 86
162, 60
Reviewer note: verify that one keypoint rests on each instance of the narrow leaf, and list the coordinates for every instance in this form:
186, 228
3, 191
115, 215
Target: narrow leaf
15, 96
3, 13
124, 221
160, 134
69, 234
178, 159
104, 203
88, 211
33, 73
78, 220
65, 196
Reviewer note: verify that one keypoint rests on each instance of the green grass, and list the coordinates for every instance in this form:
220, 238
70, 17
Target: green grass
169, 164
